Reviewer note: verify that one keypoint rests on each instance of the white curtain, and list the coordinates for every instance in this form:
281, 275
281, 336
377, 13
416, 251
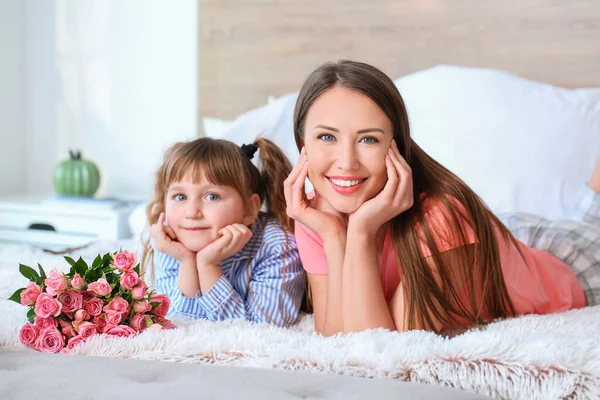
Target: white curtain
121, 85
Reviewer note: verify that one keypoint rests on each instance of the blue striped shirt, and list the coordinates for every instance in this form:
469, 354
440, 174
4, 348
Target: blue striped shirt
263, 282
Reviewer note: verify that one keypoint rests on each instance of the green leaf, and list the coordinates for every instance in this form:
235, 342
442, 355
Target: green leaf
97, 262
112, 279
31, 315
30, 274
99, 265
16, 296
42, 272
92, 275
107, 268
70, 260
107, 259
80, 267
127, 296
137, 269
148, 322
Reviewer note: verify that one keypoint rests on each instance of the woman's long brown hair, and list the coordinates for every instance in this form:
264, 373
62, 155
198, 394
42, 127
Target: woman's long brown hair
479, 272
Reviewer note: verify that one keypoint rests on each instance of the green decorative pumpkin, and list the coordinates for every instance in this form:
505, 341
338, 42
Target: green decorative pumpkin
76, 176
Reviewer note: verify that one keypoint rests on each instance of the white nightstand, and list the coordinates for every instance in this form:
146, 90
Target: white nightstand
60, 223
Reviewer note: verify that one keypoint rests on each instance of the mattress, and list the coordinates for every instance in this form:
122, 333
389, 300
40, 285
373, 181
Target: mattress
26, 374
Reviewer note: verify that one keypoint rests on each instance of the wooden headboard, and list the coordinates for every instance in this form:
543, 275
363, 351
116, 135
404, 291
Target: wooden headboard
251, 49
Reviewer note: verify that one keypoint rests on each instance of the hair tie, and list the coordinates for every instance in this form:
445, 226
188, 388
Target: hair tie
249, 150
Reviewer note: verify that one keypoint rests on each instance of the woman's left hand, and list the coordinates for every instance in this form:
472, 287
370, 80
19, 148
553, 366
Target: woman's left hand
395, 198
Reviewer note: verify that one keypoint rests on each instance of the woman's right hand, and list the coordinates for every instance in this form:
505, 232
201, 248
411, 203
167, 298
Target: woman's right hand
316, 215
166, 241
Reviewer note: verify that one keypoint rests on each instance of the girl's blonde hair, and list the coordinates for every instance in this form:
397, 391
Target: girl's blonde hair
222, 163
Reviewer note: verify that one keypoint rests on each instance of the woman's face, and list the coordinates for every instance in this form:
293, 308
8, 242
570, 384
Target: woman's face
346, 137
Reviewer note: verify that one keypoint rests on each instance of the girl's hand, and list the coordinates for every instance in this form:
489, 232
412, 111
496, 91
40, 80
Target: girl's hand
233, 238
395, 198
166, 242
315, 215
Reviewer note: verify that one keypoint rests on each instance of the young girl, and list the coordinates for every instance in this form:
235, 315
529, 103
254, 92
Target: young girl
392, 239
215, 255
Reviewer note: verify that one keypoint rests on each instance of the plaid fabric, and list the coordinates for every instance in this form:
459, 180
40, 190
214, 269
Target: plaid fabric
587, 208
576, 242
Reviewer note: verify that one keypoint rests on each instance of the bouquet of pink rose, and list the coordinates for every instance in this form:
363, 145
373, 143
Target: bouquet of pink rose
108, 297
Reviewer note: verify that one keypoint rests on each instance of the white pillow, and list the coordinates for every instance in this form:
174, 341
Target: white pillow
215, 127
272, 121
521, 145
137, 222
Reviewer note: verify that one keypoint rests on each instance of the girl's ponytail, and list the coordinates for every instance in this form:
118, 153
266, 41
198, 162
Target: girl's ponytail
275, 168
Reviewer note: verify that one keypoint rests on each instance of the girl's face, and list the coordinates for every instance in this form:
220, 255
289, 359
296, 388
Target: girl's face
196, 212
346, 139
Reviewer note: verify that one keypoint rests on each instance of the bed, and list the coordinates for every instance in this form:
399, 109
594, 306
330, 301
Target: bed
523, 85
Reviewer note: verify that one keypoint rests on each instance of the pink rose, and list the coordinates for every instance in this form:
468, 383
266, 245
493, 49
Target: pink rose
100, 321
94, 306
124, 261
46, 306
100, 287
141, 307
121, 331
81, 315
30, 294
138, 322
76, 326
77, 282
139, 291
166, 324
87, 295
28, 334
163, 304
50, 341
118, 304
113, 317
87, 329
43, 323
129, 279
56, 283
155, 327
108, 327
71, 301
74, 341
169, 325
66, 328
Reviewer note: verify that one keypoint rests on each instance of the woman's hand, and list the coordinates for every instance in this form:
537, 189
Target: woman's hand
395, 198
317, 215
233, 238
166, 241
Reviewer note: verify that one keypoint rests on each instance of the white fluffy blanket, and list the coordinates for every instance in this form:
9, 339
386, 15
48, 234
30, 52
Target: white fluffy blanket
531, 357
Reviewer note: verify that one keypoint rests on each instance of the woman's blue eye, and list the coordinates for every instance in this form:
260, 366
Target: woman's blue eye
326, 137
212, 197
369, 140
179, 197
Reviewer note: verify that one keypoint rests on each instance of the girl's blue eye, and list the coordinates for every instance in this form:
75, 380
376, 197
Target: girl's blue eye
179, 197
369, 140
326, 137
212, 197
